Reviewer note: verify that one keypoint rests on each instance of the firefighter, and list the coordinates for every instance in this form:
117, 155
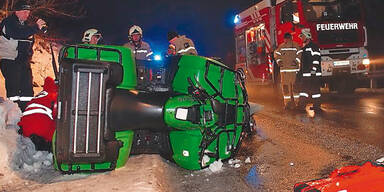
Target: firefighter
287, 56
15, 59
140, 48
310, 72
92, 36
182, 44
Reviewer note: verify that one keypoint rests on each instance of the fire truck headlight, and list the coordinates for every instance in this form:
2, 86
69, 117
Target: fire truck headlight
366, 61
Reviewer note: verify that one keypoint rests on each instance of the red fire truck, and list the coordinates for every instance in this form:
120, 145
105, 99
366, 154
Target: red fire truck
337, 26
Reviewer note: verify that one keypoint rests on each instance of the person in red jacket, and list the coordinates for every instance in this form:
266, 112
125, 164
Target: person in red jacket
38, 120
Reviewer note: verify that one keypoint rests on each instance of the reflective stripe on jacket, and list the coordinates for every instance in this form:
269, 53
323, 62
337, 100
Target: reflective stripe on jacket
184, 45
287, 56
311, 60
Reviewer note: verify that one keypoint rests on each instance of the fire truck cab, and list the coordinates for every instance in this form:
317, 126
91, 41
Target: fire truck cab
337, 26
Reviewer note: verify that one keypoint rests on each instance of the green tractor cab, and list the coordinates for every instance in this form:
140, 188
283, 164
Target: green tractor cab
189, 109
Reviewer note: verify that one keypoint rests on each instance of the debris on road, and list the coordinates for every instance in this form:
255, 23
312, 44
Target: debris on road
216, 166
233, 161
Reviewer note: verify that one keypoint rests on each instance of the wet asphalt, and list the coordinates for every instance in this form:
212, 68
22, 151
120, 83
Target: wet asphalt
290, 146
361, 113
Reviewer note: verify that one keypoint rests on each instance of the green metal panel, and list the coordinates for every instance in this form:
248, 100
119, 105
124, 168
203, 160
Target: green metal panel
126, 137
189, 67
86, 167
128, 60
185, 146
182, 101
229, 90
196, 149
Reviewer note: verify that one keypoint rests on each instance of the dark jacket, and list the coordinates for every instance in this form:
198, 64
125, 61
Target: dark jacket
11, 27
310, 60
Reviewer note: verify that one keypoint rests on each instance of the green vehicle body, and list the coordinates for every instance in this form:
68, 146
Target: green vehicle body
204, 113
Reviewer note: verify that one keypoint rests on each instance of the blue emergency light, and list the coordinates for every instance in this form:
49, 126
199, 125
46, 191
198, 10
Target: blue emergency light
237, 19
157, 58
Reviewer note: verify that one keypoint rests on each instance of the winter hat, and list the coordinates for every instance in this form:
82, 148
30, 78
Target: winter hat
171, 35
22, 5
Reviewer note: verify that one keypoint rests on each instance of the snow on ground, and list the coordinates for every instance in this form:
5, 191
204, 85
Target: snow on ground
22, 168
9, 116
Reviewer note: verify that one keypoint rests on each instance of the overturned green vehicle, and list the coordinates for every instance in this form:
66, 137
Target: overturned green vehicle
189, 109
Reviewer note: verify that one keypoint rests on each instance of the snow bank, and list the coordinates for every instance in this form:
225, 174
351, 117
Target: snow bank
9, 116
144, 173
31, 164
22, 168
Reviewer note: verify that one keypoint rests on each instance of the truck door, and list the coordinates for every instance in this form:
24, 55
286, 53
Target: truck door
256, 51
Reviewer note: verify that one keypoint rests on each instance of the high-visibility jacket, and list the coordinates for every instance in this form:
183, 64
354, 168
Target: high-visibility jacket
310, 61
184, 45
141, 52
287, 56
40, 113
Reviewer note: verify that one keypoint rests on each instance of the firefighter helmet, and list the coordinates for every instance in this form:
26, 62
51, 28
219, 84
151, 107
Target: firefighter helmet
135, 30
306, 33
88, 35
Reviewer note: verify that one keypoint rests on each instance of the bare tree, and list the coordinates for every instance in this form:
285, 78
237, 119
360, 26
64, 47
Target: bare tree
59, 8
48, 8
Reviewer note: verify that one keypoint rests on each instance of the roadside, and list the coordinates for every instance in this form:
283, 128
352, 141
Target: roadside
141, 173
293, 148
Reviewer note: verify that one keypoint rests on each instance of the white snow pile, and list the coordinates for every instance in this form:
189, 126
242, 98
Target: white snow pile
31, 164
18, 152
9, 116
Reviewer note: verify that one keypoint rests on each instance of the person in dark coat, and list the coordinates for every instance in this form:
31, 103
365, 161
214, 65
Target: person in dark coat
310, 72
16, 68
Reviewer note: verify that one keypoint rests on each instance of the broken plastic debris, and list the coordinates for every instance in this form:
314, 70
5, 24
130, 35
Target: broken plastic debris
233, 161
216, 166
237, 165
248, 160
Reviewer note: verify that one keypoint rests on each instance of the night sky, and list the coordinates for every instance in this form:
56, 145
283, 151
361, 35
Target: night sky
209, 23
